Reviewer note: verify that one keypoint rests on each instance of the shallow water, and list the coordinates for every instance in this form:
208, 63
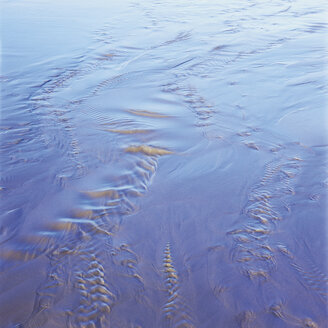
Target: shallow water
163, 164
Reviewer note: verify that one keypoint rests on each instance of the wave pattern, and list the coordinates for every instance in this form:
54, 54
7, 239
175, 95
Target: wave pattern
96, 297
176, 312
252, 242
77, 263
77, 132
309, 273
280, 312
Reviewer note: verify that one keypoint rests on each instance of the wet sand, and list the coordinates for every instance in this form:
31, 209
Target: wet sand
163, 164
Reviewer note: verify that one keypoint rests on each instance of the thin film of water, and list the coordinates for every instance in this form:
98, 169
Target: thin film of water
163, 164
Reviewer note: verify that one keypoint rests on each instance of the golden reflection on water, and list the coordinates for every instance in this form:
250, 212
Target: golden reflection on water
147, 113
148, 150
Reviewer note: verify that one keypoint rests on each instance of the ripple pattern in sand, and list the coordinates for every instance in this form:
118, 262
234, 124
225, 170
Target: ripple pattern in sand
252, 248
175, 311
77, 268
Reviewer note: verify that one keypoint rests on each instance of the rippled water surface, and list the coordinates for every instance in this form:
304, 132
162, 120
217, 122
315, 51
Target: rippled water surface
163, 164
